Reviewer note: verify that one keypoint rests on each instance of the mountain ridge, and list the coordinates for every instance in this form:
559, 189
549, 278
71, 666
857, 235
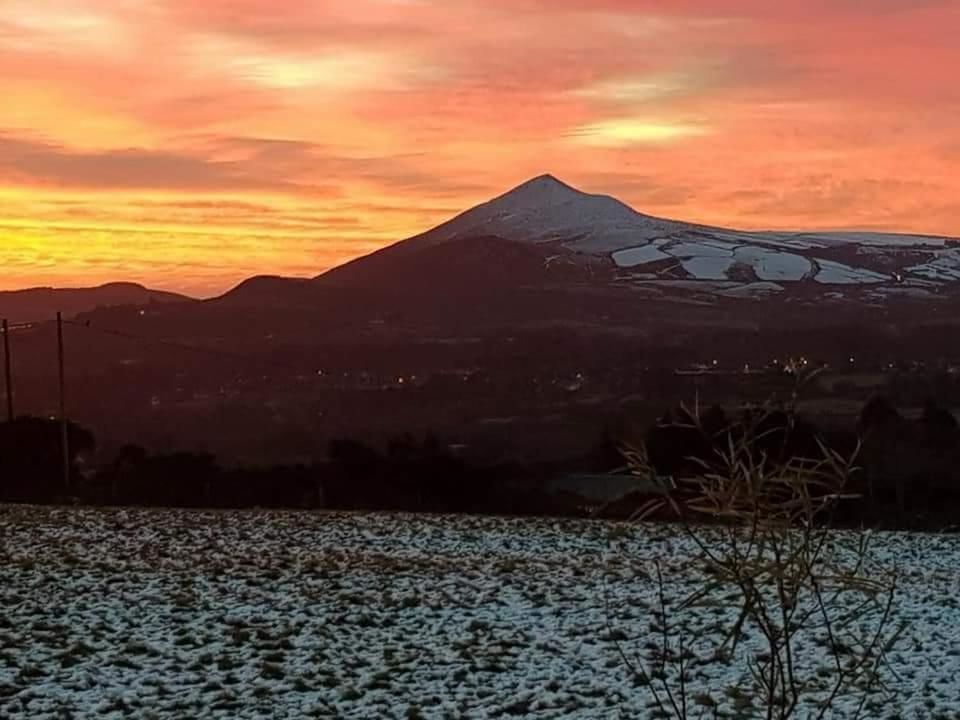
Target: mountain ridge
42, 303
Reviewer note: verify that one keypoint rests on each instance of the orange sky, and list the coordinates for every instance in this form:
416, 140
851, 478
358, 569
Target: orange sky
191, 143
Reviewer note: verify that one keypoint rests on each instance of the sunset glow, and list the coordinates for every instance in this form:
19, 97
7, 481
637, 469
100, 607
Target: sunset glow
189, 144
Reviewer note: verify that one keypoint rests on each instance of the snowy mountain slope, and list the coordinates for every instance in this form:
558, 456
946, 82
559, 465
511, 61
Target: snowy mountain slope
578, 227
546, 210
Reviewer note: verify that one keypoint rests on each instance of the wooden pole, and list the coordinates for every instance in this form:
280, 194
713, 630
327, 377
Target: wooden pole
64, 435
8, 369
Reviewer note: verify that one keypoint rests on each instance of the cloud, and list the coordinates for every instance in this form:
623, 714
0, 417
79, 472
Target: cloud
634, 131
34, 162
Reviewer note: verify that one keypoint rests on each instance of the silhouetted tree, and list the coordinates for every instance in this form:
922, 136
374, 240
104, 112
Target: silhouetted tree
356, 475
31, 459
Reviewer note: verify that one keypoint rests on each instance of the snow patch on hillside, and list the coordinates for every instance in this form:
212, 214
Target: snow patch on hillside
773, 265
834, 273
945, 267
639, 256
708, 267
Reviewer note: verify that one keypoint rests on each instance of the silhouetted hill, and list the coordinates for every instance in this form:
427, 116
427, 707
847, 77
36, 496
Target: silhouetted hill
472, 264
42, 303
266, 291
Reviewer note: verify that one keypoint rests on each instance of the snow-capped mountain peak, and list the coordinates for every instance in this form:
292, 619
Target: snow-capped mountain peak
546, 209
540, 192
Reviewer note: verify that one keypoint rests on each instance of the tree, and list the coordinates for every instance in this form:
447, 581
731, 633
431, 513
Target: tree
759, 522
31, 458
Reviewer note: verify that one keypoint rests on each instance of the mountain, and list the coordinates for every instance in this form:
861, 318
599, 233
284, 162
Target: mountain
43, 303
575, 236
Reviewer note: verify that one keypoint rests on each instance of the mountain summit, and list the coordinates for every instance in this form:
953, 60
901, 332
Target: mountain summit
542, 190
546, 209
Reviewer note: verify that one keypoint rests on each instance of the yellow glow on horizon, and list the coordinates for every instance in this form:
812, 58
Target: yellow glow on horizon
199, 244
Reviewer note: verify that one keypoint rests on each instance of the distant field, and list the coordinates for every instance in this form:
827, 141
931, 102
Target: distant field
174, 614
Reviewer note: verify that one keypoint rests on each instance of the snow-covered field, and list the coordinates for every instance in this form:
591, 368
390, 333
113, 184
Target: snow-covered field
174, 614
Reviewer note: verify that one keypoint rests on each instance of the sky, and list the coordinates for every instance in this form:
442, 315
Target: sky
189, 144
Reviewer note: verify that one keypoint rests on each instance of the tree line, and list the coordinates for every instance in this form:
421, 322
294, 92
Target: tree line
908, 469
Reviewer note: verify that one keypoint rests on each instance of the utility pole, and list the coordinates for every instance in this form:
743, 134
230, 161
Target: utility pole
8, 369
64, 435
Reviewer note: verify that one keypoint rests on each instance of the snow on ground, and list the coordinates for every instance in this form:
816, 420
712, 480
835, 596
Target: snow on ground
876, 239
700, 249
834, 273
706, 259
792, 241
176, 614
774, 266
632, 257
945, 267
708, 267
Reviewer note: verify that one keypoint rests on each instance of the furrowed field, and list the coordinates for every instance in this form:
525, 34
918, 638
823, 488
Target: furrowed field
176, 614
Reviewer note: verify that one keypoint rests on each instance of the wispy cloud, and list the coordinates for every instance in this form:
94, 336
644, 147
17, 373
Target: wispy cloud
30, 162
625, 132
